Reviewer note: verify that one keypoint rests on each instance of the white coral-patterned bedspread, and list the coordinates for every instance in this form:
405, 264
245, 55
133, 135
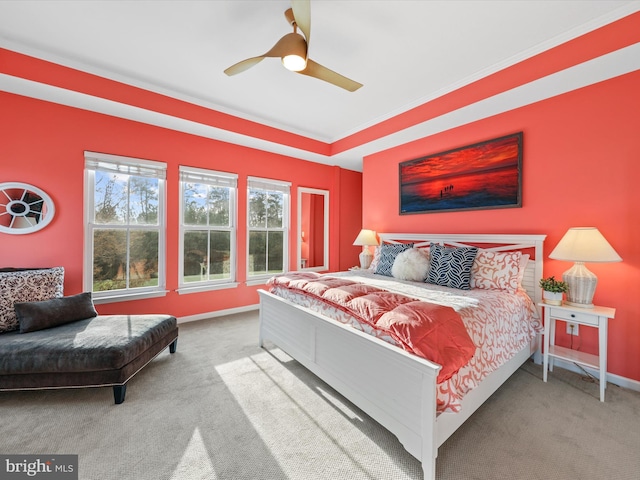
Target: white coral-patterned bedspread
499, 323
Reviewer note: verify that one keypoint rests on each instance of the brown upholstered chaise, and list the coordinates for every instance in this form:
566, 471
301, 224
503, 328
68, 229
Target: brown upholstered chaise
106, 350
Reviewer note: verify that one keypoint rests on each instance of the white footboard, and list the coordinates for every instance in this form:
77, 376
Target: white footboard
395, 388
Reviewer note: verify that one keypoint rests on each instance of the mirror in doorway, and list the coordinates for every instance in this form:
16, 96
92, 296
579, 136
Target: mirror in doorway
313, 229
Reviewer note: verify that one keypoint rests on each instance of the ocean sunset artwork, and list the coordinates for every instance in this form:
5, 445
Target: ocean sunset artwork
479, 176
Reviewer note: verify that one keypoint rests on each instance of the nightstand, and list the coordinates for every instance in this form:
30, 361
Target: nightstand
597, 317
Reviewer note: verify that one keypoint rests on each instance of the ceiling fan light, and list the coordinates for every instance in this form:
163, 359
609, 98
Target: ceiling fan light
295, 63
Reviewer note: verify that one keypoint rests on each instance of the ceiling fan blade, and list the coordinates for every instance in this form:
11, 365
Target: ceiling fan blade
302, 16
282, 47
323, 73
243, 65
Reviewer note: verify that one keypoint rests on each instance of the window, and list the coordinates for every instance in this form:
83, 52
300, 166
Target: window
207, 229
125, 225
268, 227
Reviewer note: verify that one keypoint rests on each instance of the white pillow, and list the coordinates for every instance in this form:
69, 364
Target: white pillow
412, 264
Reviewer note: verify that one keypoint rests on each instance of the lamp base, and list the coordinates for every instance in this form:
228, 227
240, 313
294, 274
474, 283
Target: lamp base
582, 305
582, 285
365, 258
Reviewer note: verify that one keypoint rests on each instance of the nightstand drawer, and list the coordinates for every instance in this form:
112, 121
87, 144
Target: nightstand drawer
572, 316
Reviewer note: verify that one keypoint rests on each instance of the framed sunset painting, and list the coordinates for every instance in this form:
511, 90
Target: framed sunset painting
479, 176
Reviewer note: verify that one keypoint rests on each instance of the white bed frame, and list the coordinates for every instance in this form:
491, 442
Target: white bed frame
395, 388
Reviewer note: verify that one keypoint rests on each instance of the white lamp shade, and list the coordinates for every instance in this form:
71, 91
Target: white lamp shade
366, 237
584, 244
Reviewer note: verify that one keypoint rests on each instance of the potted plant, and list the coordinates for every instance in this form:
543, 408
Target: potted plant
553, 290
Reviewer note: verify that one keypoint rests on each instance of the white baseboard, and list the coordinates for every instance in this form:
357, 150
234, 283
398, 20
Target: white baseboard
611, 378
217, 313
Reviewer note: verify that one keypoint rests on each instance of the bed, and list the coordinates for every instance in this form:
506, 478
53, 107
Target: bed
398, 389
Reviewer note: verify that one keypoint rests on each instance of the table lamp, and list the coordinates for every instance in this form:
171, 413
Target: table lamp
366, 238
580, 245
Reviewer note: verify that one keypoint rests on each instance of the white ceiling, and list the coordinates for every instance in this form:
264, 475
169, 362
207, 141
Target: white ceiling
405, 52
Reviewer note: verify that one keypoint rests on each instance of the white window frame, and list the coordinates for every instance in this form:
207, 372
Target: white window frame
132, 166
270, 185
215, 178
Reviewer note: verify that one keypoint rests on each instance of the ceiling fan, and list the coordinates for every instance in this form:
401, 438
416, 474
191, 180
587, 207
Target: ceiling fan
293, 49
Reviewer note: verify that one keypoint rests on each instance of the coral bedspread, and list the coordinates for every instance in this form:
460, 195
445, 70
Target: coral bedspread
469, 333
431, 331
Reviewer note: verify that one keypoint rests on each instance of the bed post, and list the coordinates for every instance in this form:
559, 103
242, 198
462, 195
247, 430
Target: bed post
429, 431
260, 336
539, 262
537, 297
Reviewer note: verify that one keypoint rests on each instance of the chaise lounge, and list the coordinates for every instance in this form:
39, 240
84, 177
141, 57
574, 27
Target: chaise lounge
61, 342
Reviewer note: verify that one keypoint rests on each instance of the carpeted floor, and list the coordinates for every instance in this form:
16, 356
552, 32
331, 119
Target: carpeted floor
221, 408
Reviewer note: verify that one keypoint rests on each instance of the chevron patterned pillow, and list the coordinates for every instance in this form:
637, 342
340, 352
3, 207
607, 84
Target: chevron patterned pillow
451, 267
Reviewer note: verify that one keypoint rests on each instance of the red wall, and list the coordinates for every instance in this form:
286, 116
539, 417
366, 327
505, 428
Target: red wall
348, 221
580, 168
43, 144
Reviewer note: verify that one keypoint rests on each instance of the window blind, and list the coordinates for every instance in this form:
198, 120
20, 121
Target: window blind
125, 165
271, 185
208, 177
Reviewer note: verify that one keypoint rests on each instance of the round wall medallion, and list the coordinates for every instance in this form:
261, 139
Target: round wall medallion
24, 208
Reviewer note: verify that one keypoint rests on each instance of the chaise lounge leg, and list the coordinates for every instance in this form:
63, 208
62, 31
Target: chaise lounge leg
173, 346
119, 391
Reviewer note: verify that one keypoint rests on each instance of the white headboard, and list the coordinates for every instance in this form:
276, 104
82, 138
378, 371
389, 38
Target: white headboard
495, 242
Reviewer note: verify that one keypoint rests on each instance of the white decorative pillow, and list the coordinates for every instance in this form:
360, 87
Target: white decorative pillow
496, 270
412, 264
27, 286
